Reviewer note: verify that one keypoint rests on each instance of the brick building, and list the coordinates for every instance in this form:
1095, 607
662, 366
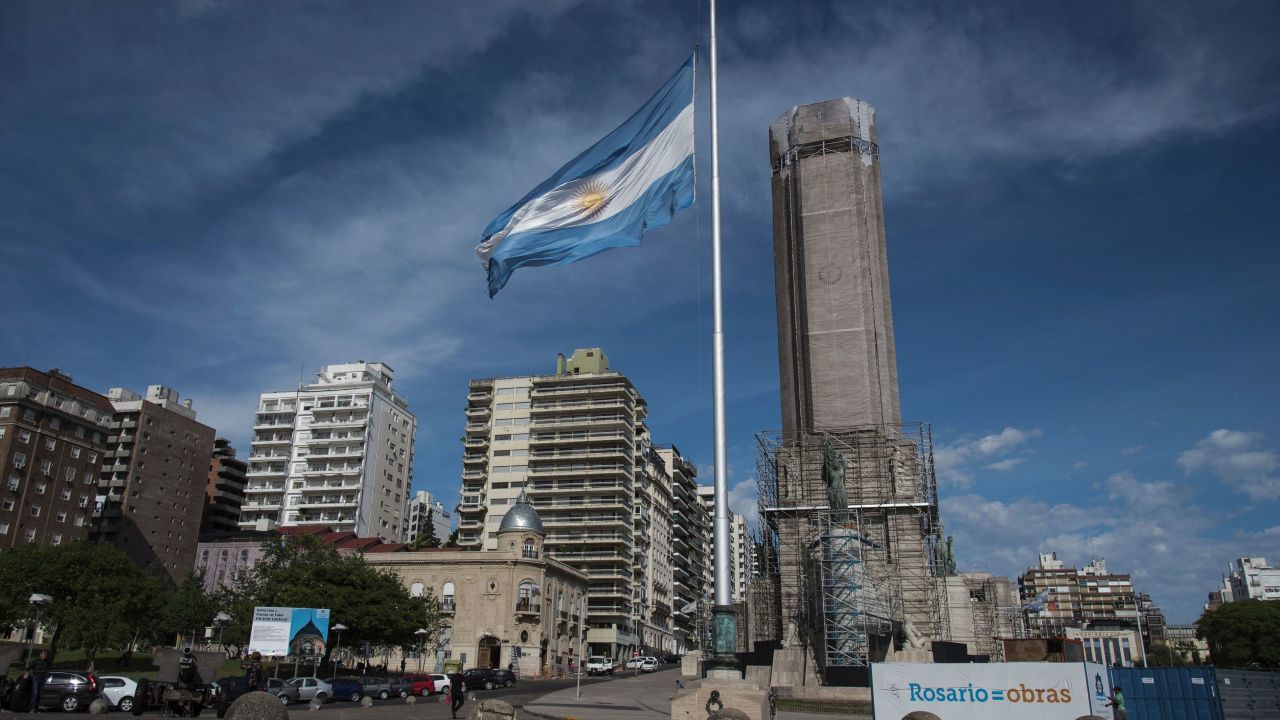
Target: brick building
52, 439
224, 492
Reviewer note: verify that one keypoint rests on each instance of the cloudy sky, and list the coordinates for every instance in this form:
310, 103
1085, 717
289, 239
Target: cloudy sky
1080, 204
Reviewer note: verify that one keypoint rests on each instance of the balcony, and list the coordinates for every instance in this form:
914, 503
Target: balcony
447, 604
476, 442
470, 459
476, 413
479, 395
472, 474
579, 405
337, 422
524, 606
582, 470
587, 421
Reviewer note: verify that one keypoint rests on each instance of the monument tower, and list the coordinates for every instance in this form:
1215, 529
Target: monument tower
847, 491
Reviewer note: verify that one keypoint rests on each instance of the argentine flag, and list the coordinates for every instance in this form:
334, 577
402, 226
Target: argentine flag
632, 180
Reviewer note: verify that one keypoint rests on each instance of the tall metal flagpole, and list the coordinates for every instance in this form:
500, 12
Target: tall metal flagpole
725, 625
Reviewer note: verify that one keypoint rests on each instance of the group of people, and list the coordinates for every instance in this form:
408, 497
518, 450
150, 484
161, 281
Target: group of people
23, 693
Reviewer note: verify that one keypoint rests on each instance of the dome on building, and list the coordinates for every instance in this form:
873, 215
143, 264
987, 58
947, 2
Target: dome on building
522, 517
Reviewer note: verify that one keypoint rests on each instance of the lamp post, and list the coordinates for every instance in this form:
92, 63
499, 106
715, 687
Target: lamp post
422, 636
39, 601
220, 620
337, 645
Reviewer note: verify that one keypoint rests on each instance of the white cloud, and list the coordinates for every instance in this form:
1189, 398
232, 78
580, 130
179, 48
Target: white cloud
1133, 450
954, 460
1079, 465
1239, 460
1150, 529
1005, 465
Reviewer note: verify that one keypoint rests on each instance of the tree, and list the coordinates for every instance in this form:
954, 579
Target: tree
1243, 633
100, 598
452, 542
427, 538
187, 609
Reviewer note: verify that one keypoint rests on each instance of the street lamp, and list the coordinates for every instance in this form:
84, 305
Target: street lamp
221, 620
39, 601
337, 645
422, 634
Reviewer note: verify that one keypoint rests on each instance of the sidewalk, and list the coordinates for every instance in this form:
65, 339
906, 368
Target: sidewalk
627, 697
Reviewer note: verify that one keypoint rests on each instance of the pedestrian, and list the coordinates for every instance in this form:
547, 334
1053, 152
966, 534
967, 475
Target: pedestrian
1117, 702
457, 693
254, 675
39, 669
402, 663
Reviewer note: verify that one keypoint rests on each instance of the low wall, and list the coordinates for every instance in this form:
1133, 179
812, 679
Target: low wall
822, 692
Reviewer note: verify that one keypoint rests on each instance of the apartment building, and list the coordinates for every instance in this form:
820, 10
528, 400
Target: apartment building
740, 555
1252, 578
151, 486
425, 511
224, 491
690, 552
53, 439
575, 440
337, 452
1057, 596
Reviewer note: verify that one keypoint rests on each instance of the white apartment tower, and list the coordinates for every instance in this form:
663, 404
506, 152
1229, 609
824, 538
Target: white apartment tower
423, 506
690, 552
739, 543
337, 452
575, 441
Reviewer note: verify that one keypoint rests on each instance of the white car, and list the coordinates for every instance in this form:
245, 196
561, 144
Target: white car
648, 664
119, 691
312, 689
441, 683
633, 663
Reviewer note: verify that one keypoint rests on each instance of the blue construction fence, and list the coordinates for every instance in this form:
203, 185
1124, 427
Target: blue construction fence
1198, 693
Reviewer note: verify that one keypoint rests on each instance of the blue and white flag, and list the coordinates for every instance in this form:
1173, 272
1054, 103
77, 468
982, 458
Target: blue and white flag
632, 180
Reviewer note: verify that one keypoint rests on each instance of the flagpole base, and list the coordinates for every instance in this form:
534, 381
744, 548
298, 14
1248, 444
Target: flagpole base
723, 660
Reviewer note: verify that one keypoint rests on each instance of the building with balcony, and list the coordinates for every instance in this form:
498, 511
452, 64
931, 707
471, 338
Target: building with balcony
690, 553
335, 453
224, 492
740, 553
576, 442
425, 511
53, 439
1252, 578
509, 604
152, 484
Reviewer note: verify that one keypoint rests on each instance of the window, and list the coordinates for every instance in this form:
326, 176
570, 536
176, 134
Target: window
65, 494
29, 415
84, 501
4, 528
4, 411
41, 487
50, 443
79, 520
46, 467
415, 590
35, 511
61, 516
7, 503
75, 451
88, 477
24, 437
3, 430
31, 535
80, 431
446, 595
55, 423
55, 539
93, 457
530, 549
14, 481
70, 475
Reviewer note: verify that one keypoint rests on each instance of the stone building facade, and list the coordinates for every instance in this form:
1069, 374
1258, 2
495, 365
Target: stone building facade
509, 605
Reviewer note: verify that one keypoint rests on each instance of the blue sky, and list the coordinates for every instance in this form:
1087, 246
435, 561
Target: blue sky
1080, 209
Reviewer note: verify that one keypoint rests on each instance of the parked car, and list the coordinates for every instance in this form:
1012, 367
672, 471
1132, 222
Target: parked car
346, 688
233, 686
421, 684
633, 663
69, 691
671, 659
441, 683
119, 691
385, 686
648, 664
488, 678
599, 665
312, 689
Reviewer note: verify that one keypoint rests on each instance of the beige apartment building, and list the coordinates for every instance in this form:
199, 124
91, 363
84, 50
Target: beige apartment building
690, 552
509, 604
576, 442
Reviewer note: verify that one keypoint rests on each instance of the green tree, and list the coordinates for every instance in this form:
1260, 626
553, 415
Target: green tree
427, 538
1243, 633
187, 609
452, 542
100, 598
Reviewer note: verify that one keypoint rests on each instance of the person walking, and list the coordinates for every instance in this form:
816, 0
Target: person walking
255, 677
1117, 702
457, 694
39, 669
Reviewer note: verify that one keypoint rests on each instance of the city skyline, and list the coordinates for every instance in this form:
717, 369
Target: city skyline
1081, 280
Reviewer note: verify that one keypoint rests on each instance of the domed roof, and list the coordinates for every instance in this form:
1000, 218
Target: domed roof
522, 517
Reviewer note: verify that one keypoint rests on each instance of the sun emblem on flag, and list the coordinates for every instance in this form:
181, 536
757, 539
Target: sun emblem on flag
591, 197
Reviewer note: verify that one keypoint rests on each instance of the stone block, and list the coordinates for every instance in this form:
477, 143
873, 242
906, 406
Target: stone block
257, 706
411, 700
691, 664
746, 698
492, 710
366, 701
99, 707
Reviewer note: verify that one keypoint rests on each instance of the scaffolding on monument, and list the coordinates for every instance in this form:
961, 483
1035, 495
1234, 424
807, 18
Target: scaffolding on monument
862, 556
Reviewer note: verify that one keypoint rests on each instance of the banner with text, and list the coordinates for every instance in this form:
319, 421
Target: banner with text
990, 691
281, 631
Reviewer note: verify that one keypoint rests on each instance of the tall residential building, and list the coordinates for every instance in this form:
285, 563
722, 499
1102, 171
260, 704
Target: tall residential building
652, 555
424, 509
1058, 596
53, 437
575, 441
739, 545
1252, 578
151, 488
224, 492
691, 539
336, 453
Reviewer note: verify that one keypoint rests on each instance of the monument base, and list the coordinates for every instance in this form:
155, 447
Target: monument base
691, 664
734, 692
793, 666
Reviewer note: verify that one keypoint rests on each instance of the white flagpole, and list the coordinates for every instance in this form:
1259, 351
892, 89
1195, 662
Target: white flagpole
723, 597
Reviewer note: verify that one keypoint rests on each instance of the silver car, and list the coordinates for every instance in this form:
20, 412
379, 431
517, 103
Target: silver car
312, 689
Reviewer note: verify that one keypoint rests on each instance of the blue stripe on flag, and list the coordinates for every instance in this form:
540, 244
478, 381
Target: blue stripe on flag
611, 150
561, 246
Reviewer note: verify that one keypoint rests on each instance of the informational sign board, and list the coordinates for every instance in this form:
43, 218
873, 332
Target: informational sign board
990, 691
284, 631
